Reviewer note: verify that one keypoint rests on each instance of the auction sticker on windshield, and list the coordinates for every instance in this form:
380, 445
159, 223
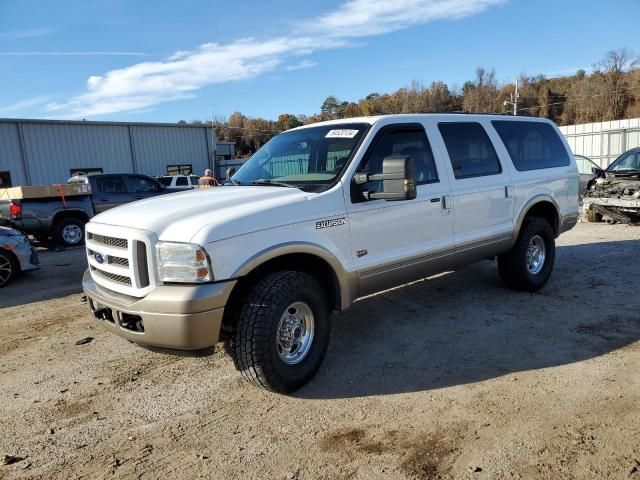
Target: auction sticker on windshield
342, 133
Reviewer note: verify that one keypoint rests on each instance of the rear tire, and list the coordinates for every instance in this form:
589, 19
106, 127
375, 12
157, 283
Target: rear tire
528, 265
69, 232
9, 268
282, 332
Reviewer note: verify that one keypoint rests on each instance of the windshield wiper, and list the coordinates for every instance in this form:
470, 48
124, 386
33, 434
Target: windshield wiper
275, 183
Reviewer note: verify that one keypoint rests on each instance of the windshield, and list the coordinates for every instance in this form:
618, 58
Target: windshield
310, 158
629, 161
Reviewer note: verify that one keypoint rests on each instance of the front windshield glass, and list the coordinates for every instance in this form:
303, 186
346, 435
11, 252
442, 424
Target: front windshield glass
629, 161
309, 158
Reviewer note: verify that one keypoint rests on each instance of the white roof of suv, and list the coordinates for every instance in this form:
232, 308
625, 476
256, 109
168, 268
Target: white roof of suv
449, 117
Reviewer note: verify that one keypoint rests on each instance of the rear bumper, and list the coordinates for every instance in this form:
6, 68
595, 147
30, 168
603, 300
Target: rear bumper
185, 317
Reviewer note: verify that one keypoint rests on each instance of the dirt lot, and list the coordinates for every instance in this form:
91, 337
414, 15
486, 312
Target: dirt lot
452, 377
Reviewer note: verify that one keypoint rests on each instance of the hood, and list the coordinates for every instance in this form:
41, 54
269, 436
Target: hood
203, 216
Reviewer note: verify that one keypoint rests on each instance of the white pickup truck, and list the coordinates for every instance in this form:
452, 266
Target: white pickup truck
323, 215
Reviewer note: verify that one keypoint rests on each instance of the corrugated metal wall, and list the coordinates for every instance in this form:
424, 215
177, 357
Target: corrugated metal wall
11, 154
161, 146
54, 149
50, 149
602, 142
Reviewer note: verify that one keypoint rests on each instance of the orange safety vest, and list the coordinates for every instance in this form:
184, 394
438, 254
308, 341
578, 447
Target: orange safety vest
207, 182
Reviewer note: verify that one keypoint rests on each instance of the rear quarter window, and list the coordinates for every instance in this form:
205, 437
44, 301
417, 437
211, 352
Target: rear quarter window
532, 145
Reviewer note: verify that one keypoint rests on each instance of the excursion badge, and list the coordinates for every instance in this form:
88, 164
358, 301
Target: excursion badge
334, 222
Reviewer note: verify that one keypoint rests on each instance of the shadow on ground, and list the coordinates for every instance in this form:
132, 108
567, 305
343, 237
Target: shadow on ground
465, 326
60, 275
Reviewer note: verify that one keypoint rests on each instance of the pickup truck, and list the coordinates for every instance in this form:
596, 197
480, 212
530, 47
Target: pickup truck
64, 220
321, 216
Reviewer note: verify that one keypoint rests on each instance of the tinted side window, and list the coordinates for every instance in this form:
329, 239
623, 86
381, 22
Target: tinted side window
166, 181
111, 185
470, 150
142, 184
402, 141
532, 145
182, 182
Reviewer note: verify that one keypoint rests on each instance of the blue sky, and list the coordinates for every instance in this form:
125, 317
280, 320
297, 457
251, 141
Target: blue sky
167, 60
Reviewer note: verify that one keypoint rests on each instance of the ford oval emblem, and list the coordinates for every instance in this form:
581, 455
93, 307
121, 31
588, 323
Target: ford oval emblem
99, 258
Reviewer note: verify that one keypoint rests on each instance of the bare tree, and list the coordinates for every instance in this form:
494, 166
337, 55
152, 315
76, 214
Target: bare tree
614, 66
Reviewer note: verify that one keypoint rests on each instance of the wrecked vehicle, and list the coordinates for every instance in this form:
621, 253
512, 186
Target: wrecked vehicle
613, 195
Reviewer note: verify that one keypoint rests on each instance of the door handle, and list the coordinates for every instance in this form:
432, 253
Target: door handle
435, 200
446, 208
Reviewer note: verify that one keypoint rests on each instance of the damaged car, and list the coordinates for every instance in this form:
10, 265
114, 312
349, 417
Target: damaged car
16, 255
613, 195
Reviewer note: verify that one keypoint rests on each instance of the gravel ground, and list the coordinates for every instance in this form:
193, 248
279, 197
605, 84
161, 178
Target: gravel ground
451, 377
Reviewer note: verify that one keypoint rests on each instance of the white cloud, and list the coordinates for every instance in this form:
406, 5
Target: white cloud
29, 33
361, 18
22, 105
74, 54
300, 65
182, 74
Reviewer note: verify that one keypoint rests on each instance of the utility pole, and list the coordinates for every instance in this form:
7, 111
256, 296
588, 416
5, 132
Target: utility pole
514, 100
214, 145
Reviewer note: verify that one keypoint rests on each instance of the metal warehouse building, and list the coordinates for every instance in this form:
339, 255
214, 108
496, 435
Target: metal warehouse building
40, 152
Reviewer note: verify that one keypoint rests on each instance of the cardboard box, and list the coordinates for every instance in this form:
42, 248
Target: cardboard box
45, 191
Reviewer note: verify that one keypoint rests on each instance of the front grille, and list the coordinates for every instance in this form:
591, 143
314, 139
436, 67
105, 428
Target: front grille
121, 262
112, 276
109, 241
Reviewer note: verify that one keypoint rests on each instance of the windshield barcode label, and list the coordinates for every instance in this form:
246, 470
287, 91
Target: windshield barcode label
342, 133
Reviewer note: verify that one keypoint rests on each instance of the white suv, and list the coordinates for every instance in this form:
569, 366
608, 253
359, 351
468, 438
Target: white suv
325, 214
179, 182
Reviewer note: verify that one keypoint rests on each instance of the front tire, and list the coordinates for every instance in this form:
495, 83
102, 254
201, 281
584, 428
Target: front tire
8, 268
283, 331
528, 265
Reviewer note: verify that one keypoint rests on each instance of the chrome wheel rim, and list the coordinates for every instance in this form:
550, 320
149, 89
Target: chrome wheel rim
294, 336
5, 270
72, 234
536, 255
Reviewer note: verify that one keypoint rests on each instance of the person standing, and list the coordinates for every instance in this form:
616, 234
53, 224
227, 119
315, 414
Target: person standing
207, 180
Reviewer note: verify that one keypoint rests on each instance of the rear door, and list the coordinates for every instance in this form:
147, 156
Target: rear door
482, 188
108, 191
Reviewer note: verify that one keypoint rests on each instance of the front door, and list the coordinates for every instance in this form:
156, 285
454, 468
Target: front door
143, 187
110, 191
398, 241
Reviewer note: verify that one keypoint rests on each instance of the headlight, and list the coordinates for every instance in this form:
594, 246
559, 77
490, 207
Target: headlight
183, 263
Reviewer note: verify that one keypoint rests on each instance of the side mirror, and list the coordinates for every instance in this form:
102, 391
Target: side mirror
398, 179
231, 171
597, 171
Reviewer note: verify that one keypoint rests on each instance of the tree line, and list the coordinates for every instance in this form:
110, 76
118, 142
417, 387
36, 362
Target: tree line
611, 91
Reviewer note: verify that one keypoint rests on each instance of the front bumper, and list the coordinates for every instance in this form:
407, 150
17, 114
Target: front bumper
182, 317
